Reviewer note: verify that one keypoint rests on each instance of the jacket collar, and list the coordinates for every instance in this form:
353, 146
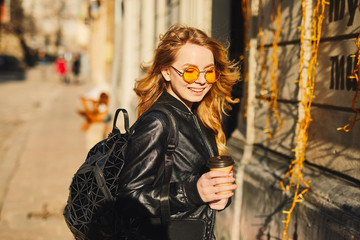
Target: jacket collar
167, 98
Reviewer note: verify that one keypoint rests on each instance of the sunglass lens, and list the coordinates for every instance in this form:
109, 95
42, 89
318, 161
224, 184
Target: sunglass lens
191, 74
212, 75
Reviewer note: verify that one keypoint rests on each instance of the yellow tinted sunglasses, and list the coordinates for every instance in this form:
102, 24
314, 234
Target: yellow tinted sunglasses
191, 74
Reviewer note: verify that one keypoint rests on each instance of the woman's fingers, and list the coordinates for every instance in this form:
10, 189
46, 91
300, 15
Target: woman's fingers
213, 186
223, 180
220, 189
214, 174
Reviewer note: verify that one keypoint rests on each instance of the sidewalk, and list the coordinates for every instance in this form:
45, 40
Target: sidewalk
47, 152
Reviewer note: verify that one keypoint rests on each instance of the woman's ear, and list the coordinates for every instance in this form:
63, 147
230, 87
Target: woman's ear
165, 71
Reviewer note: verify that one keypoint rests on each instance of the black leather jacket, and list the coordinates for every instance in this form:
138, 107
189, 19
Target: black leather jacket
145, 156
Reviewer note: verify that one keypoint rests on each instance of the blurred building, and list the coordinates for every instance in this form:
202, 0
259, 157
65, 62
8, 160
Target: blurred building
301, 88
59, 26
9, 42
51, 27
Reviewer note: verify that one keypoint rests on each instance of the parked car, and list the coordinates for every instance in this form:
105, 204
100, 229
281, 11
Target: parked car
11, 68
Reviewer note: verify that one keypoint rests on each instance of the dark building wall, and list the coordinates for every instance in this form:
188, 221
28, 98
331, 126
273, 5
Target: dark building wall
331, 209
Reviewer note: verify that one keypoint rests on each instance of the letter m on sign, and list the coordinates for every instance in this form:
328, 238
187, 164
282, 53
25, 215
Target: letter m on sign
337, 72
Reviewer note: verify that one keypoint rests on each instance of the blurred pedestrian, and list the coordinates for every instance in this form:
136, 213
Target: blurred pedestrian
61, 69
76, 68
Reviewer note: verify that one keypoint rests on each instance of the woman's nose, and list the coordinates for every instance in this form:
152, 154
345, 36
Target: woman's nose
201, 79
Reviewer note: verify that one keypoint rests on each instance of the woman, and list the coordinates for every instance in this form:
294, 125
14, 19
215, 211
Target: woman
192, 78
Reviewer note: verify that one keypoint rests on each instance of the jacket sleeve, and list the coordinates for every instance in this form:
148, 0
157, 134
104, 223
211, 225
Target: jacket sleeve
142, 175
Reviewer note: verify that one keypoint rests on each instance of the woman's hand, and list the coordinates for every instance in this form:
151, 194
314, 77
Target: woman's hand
219, 204
210, 191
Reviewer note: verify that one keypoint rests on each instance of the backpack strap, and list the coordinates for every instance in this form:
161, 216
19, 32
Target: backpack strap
115, 129
168, 165
169, 157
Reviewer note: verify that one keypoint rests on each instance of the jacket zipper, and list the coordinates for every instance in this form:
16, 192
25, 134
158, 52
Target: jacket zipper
211, 153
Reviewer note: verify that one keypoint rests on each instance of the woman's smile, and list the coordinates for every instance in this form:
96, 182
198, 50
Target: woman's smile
197, 90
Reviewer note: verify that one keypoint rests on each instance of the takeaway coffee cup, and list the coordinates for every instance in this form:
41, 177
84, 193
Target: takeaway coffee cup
223, 164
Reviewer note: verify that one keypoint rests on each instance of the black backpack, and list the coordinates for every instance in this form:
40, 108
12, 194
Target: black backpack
89, 212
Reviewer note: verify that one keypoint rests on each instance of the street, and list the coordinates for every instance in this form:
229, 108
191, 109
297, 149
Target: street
41, 147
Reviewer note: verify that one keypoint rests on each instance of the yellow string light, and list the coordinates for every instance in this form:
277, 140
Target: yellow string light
246, 15
356, 99
273, 107
262, 57
294, 173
